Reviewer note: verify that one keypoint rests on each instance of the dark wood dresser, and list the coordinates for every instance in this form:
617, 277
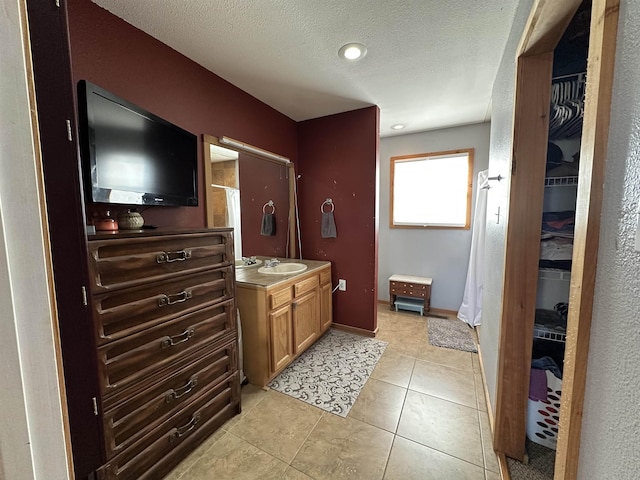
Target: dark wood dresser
167, 345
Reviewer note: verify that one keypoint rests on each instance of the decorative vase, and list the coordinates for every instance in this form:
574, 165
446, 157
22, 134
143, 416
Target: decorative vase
130, 220
106, 223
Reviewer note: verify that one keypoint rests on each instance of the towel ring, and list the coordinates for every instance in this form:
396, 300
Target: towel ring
269, 204
328, 201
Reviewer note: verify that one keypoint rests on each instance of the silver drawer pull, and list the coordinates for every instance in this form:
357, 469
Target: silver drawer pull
168, 257
181, 391
178, 339
183, 296
182, 431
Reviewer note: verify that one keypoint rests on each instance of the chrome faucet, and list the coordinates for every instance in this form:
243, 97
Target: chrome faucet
249, 260
272, 263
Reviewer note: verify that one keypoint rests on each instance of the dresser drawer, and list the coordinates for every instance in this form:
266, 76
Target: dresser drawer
133, 359
152, 456
408, 289
128, 262
129, 421
126, 312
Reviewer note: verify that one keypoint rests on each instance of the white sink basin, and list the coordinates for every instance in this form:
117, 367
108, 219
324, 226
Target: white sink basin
241, 264
284, 269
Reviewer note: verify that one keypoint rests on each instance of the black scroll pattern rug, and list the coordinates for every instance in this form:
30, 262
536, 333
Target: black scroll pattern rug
331, 373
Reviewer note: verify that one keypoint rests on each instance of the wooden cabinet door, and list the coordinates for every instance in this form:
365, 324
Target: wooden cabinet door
306, 320
280, 338
326, 309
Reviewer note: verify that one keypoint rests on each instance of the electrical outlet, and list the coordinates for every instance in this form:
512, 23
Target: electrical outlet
342, 285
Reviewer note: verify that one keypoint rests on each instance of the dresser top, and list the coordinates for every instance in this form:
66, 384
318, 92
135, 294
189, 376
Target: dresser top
410, 279
152, 232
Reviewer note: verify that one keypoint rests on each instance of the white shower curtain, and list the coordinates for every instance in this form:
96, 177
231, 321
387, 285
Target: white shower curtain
471, 309
233, 218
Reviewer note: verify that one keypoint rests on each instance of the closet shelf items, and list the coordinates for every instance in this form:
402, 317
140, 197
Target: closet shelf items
567, 106
561, 181
548, 333
554, 274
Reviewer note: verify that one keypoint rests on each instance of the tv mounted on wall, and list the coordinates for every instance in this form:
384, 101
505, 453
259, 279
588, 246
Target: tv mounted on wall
133, 157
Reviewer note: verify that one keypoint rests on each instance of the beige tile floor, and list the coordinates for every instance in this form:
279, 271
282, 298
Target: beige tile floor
421, 415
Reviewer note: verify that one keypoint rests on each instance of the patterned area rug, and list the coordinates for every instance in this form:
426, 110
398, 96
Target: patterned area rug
331, 373
453, 334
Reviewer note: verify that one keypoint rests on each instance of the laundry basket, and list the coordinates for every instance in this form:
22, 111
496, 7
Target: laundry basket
543, 416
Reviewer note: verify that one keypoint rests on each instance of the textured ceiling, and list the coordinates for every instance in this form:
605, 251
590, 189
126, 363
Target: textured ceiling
430, 64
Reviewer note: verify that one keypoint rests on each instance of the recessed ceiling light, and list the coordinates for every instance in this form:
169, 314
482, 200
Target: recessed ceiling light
352, 51
397, 126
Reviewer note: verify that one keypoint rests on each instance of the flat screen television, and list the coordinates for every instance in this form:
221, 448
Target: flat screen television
131, 156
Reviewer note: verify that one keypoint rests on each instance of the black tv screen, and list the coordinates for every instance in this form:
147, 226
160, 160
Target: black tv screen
131, 156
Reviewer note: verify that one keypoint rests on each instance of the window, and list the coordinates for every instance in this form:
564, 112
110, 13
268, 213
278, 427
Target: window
432, 190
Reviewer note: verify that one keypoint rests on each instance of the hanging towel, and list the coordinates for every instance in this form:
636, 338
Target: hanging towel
328, 229
268, 225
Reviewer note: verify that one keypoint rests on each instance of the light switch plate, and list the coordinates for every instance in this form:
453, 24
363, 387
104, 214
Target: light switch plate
638, 234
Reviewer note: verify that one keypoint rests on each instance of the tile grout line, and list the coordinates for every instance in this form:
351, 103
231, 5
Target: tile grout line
257, 446
322, 414
474, 407
395, 432
444, 453
414, 357
386, 464
456, 403
482, 436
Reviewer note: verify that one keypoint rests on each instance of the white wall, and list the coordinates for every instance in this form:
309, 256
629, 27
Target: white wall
31, 423
442, 254
497, 199
610, 446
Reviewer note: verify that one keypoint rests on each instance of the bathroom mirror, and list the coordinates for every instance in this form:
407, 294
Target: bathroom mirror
241, 188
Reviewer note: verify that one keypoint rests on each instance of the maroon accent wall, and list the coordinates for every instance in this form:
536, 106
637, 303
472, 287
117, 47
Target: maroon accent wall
133, 65
337, 155
338, 159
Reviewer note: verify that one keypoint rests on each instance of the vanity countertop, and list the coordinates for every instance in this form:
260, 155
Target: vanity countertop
250, 275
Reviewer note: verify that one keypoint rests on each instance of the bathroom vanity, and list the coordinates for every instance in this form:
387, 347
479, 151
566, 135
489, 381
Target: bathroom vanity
281, 315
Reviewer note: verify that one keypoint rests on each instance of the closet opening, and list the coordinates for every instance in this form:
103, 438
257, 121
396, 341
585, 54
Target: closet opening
568, 86
535, 126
